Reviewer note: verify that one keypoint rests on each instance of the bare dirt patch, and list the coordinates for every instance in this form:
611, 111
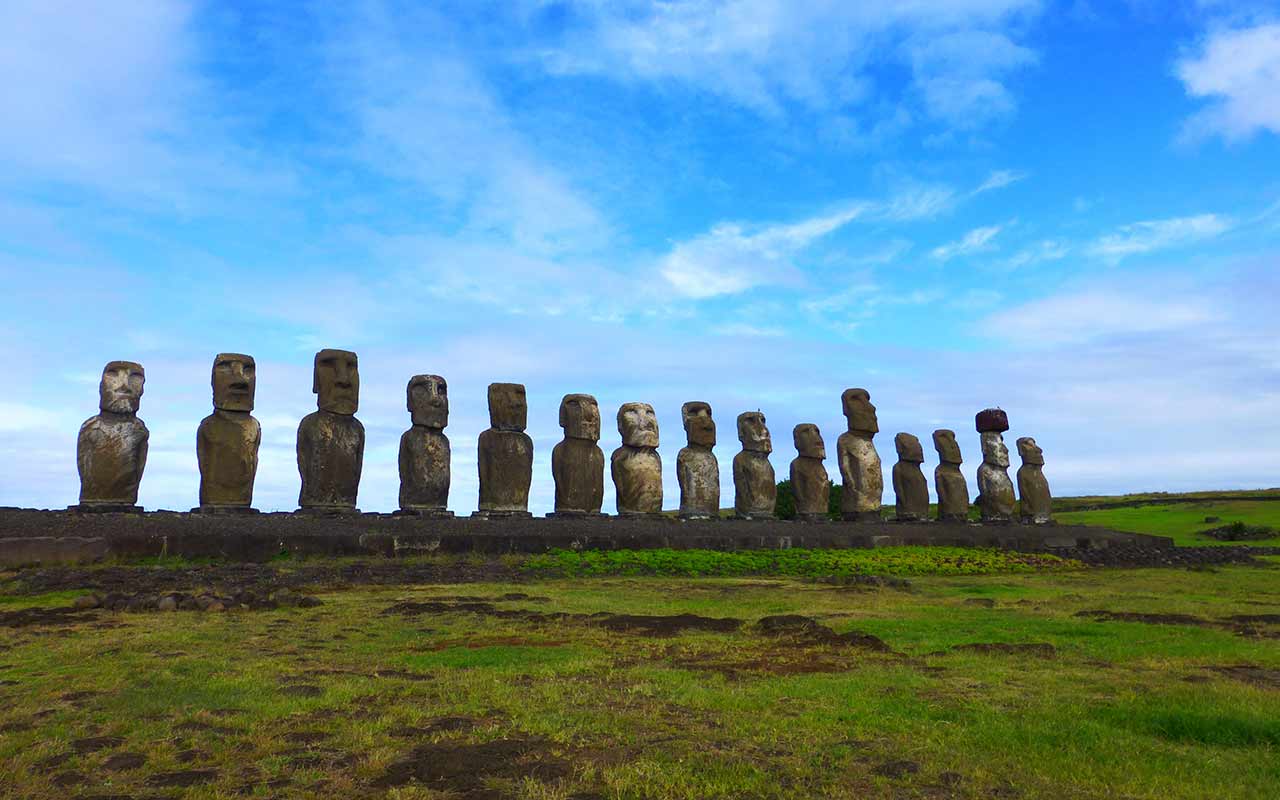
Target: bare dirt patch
808, 631
638, 624
1263, 677
183, 778
1037, 649
466, 769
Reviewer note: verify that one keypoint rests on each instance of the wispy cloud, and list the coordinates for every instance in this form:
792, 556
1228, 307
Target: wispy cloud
998, 180
1145, 237
1238, 71
975, 241
1047, 250
1097, 314
773, 55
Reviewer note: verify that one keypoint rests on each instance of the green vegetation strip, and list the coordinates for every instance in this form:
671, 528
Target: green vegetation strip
797, 562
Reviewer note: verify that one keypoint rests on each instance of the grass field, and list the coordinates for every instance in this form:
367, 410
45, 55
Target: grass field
1184, 522
987, 685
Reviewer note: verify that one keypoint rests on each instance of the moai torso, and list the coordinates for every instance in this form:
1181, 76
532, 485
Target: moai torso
698, 472
111, 453
995, 489
1034, 501
227, 449
330, 458
577, 462
810, 484
953, 490
697, 469
424, 449
424, 469
636, 466
111, 450
331, 440
505, 453
228, 439
860, 473
910, 489
755, 488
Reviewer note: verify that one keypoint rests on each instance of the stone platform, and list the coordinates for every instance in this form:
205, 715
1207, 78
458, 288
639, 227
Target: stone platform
47, 537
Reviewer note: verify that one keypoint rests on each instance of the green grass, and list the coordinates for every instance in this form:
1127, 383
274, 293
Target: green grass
1124, 709
1183, 522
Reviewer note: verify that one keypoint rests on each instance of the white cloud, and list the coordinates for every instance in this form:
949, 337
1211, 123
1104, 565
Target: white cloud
1097, 314
1238, 71
769, 55
975, 241
1145, 237
998, 180
1047, 250
731, 258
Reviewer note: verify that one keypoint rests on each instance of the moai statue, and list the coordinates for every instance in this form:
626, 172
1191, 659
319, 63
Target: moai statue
755, 490
696, 466
505, 454
910, 488
636, 466
331, 439
577, 463
1033, 490
227, 441
953, 491
424, 449
111, 451
859, 461
810, 484
995, 490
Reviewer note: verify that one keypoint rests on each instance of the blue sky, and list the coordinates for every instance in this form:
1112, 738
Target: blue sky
1068, 209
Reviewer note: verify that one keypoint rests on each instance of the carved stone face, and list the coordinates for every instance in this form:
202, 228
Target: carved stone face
638, 425
428, 401
752, 432
698, 424
508, 408
1029, 451
120, 390
336, 381
858, 408
808, 441
994, 451
580, 417
944, 441
234, 380
909, 448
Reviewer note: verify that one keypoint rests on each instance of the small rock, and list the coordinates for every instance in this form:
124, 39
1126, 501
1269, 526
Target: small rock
215, 606
86, 602
167, 603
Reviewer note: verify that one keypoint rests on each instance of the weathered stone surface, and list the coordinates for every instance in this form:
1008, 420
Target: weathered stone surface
111, 450
1034, 501
577, 463
948, 480
424, 449
995, 490
755, 488
636, 466
697, 470
910, 488
228, 439
991, 420
331, 440
860, 471
505, 454
810, 484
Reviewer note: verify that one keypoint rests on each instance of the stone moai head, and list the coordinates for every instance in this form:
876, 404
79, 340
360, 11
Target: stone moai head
234, 381
859, 411
336, 381
580, 417
427, 398
944, 441
508, 409
120, 390
808, 441
994, 451
909, 448
638, 425
1030, 452
752, 432
698, 424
